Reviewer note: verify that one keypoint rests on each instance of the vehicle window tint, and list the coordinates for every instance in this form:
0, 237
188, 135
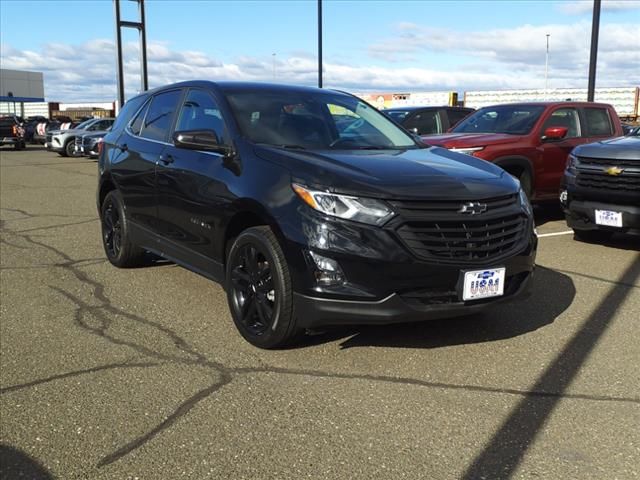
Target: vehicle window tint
157, 122
564, 117
424, 123
456, 115
598, 122
200, 112
136, 125
510, 119
128, 111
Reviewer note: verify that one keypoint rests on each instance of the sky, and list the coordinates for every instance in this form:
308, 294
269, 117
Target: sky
392, 46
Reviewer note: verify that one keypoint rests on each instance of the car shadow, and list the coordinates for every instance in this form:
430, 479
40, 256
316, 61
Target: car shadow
547, 212
14, 463
499, 323
620, 241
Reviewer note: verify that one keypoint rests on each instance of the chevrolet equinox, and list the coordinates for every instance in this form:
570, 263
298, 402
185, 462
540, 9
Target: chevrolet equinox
310, 207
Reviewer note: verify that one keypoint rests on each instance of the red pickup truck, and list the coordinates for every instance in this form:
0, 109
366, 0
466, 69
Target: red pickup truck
531, 141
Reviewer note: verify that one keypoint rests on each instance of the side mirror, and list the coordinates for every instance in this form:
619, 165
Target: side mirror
199, 140
555, 133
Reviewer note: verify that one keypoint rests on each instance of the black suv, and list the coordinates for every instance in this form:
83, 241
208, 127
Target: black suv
310, 207
600, 191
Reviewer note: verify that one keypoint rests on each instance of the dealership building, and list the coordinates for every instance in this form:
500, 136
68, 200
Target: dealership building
21, 92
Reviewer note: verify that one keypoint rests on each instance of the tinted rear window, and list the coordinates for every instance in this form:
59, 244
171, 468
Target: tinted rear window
598, 122
127, 111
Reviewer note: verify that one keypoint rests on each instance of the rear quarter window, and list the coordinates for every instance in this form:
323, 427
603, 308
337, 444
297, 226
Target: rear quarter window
598, 122
129, 109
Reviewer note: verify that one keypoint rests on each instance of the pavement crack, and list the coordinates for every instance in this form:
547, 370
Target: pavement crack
112, 366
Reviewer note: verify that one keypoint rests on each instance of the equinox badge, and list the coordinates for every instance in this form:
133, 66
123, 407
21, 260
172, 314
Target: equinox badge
473, 208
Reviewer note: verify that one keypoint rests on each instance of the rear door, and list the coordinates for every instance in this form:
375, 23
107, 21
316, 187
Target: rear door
554, 153
139, 149
192, 184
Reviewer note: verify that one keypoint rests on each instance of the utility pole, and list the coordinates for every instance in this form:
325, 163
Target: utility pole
319, 43
595, 29
546, 69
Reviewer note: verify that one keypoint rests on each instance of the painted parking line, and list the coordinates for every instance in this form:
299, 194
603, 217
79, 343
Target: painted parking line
555, 234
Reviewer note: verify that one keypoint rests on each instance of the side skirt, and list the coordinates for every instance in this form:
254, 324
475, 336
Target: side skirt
194, 261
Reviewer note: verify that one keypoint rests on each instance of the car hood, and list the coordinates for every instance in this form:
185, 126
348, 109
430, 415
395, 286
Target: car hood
426, 173
463, 140
73, 131
621, 148
98, 134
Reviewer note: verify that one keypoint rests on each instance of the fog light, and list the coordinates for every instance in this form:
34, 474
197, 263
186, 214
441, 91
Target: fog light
563, 197
328, 271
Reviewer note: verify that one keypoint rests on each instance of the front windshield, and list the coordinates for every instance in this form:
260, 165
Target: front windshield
510, 119
314, 120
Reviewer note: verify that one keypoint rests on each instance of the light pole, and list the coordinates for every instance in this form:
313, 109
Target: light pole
546, 69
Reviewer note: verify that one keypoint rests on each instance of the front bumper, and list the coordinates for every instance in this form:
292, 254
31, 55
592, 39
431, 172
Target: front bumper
384, 281
11, 140
580, 215
314, 312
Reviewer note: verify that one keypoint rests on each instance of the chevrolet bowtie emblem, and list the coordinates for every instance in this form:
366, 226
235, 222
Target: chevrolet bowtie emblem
613, 171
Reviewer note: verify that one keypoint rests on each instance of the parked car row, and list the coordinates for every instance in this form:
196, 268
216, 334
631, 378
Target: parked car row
82, 139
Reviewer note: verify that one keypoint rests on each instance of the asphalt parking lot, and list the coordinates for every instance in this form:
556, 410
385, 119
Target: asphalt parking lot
140, 374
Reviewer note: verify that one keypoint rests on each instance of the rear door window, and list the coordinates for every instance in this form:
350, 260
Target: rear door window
425, 122
159, 117
598, 122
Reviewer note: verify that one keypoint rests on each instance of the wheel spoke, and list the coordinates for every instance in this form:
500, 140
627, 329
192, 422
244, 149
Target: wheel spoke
264, 318
248, 311
240, 279
252, 260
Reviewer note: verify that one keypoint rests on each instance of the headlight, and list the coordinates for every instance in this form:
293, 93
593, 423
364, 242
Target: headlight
467, 150
524, 202
365, 210
572, 163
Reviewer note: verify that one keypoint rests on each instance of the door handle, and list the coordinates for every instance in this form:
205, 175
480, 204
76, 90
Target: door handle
166, 159
122, 148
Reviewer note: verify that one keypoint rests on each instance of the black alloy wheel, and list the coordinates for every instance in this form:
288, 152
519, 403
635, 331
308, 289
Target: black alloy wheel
111, 229
259, 289
254, 294
119, 248
70, 148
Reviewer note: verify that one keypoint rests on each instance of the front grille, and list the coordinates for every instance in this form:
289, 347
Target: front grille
607, 162
438, 231
602, 181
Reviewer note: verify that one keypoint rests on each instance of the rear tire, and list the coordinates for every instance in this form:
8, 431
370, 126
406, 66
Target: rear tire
259, 291
116, 239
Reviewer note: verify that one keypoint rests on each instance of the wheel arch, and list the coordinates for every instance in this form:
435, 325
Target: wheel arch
247, 213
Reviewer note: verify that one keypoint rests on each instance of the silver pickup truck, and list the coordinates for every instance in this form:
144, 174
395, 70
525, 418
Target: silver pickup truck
63, 141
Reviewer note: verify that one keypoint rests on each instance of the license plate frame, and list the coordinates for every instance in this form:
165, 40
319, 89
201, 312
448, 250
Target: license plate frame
608, 218
482, 284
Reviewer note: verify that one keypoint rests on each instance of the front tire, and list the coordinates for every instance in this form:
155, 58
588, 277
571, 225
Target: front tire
116, 239
70, 148
259, 289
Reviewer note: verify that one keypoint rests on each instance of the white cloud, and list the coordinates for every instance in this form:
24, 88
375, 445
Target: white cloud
579, 7
499, 59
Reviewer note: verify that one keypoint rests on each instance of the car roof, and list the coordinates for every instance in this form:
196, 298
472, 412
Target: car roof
234, 87
412, 108
568, 103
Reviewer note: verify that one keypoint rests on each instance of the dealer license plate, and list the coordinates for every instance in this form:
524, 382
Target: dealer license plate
608, 218
483, 284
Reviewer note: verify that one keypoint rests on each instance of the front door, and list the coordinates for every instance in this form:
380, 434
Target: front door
554, 153
192, 184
